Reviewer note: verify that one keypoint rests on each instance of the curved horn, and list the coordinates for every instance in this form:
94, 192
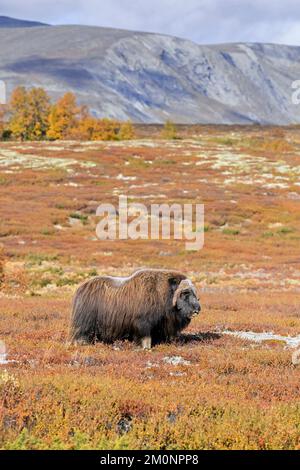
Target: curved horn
185, 284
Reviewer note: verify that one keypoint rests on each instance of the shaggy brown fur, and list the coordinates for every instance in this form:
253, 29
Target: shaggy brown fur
139, 307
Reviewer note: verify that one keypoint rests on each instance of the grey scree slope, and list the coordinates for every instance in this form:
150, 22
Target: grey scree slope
151, 77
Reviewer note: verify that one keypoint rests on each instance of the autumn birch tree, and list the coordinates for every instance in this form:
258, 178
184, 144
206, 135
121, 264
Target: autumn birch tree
63, 118
29, 111
19, 113
39, 108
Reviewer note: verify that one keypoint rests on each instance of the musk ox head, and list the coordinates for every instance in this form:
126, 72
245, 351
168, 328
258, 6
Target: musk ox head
185, 299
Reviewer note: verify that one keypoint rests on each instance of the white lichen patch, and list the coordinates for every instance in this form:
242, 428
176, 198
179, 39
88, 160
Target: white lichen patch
290, 341
276, 185
121, 177
16, 161
246, 277
249, 170
176, 361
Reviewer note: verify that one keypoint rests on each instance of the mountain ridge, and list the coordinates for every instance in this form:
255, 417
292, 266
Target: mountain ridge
9, 22
149, 77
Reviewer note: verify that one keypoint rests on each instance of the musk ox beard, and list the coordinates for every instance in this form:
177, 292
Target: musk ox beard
149, 307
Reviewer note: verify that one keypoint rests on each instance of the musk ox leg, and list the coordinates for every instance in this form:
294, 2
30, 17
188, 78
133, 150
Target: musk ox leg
146, 342
81, 341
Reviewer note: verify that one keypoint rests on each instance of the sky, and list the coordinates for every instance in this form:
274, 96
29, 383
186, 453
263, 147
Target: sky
202, 21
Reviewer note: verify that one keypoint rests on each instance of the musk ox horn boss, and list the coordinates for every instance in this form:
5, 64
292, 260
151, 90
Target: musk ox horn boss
149, 307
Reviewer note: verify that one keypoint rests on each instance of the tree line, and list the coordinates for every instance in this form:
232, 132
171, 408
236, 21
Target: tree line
30, 115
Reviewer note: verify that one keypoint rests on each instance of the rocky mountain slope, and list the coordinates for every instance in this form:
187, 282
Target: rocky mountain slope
7, 22
151, 77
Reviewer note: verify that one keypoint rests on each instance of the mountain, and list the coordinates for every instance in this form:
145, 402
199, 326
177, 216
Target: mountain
152, 77
7, 22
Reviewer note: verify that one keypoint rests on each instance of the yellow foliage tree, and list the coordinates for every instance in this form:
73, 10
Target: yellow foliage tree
64, 118
19, 113
29, 112
85, 127
169, 131
126, 131
106, 129
39, 108
32, 117
2, 120
91, 128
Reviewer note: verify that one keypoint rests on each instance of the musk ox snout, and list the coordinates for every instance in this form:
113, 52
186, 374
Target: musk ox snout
150, 306
197, 308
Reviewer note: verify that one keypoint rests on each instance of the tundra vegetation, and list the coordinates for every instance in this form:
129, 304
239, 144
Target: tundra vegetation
206, 389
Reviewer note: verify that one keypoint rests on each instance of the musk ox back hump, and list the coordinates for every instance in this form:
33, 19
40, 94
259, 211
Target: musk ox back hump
108, 308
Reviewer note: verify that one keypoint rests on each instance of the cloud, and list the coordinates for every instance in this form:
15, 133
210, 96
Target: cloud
203, 21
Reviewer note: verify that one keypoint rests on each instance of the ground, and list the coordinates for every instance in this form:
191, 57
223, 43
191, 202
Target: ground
207, 389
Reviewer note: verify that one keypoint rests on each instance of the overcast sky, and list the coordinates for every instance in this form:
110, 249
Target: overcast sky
203, 21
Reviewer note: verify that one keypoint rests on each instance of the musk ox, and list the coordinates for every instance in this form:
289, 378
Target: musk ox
150, 306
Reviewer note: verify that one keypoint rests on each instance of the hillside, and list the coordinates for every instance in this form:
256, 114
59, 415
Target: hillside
151, 77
